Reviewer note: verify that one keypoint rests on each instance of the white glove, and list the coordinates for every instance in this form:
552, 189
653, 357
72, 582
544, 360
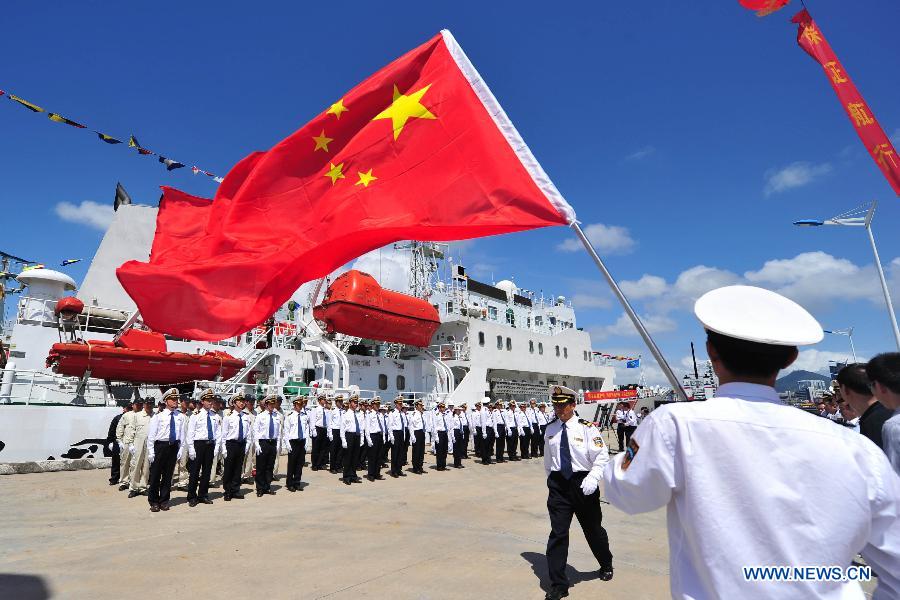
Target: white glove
180, 452
330, 437
258, 449
344, 445
150, 457
589, 485
224, 452
192, 454
131, 449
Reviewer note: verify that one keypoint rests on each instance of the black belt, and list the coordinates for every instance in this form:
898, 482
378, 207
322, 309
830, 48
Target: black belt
205, 441
166, 442
269, 441
236, 441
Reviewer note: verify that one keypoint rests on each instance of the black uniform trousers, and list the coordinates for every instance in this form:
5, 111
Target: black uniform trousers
629, 430
398, 450
501, 442
234, 466
351, 454
620, 434
165, 455
265, 465
441, 449
525, 442
465, 442
296, 458
320, 449
386, 447
362, 456
375, 451
116, 468
337, 451
487, 446
537, 444
418, 450
512, 441
564, 499
201, 468
458, 447
479, 432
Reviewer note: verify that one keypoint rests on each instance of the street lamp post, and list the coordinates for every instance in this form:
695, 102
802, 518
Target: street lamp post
862, 217
849, 333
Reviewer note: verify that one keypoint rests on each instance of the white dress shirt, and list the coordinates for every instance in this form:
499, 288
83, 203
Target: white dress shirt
464, 419
522, 422
416, 423
443, 422
509, 420
542, 418
531, 413
318, 416
620, 417
631, 419
890, 436
352, 422
398, 420
159, 430
586, 447
476, 418
197, 427
375, 423
293, 432
742, 476
334, 421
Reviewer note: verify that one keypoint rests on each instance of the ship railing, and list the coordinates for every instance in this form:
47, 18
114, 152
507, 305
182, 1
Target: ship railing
452, 351
28, 387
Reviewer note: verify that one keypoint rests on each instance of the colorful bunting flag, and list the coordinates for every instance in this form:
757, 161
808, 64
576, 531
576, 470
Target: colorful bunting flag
61, 119
107, 138
133, 143
30, 267
26, 104
69, 261
171, 165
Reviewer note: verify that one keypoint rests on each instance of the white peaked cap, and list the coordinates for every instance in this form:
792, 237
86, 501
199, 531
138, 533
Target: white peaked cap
757, 315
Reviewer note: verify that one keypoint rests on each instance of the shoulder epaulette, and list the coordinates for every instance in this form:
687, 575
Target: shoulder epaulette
586, 422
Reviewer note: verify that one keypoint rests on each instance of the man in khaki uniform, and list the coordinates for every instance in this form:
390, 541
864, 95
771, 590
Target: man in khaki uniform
125, 422
182, 473
136, 438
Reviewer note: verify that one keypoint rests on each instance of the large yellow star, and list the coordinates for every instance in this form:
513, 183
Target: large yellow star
337, 109
322, 141
365, 178
335, 172
404, 108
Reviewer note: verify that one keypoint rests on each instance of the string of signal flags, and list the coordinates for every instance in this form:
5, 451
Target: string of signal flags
170, 163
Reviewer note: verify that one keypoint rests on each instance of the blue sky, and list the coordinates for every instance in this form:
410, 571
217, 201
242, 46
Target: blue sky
687, 135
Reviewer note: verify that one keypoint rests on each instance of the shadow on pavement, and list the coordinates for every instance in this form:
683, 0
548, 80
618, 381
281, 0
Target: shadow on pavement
23, 587
538, 564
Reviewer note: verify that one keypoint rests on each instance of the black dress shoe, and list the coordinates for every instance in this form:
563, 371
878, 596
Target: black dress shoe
192, 503
206, 501
227, 498
269, 492
238, 496
402, 474
259, 494
345, 481
605, 573
133, 494
154, 508
379, 477
556, 593
113, 483
164, 506
370, 478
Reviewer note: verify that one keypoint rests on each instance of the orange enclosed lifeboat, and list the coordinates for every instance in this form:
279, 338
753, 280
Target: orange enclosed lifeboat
355, 304
140, 357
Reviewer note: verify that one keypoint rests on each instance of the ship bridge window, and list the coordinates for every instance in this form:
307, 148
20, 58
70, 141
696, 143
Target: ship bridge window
492, 312
401, 383
450, 307
540, 347
508, 344
382, 382
553, 320
531, 346
538, 320
565, 353
511, 316
499, 342
481, 338
557, 350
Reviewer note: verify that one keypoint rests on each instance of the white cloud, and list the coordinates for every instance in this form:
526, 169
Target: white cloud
582, 300
390, 267
648, 286
607, 239
623, 327
92, 214
482, 270
642, 153
794, 175
817, 360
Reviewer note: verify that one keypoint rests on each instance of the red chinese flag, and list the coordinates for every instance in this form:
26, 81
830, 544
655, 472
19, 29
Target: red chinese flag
420, 150
764, 7
810, 38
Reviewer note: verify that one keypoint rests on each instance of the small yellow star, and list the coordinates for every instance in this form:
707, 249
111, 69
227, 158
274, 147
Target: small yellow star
337, 109
335, 172
322, 141
365, 178
404, 108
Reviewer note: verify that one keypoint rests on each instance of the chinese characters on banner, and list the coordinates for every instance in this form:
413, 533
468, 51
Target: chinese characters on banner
877, 144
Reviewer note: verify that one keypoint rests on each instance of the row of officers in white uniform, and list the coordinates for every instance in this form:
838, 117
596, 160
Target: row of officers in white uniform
182, 447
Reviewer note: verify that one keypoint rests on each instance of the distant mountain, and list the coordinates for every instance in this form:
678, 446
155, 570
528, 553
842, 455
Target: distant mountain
789, 381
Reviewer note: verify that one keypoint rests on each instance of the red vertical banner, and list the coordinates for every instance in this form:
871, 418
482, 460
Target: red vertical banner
877, 144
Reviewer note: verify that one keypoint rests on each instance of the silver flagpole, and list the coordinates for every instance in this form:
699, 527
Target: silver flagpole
667, 370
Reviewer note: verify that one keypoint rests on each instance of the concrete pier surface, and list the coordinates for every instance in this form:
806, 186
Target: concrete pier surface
478, 532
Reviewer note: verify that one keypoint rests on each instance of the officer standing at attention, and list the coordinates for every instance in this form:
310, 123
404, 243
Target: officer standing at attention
337, 451
319, 419
476, 419
535, 441
619, 417
165, 445
375, 431
543, 419
443, 437
351, 440
400, 432
267, 432
417, 435
738, 472
524, 427
204, 431
457, 432
235, 440
499, 430
489, 432
297, 428
574, 461
464, 415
